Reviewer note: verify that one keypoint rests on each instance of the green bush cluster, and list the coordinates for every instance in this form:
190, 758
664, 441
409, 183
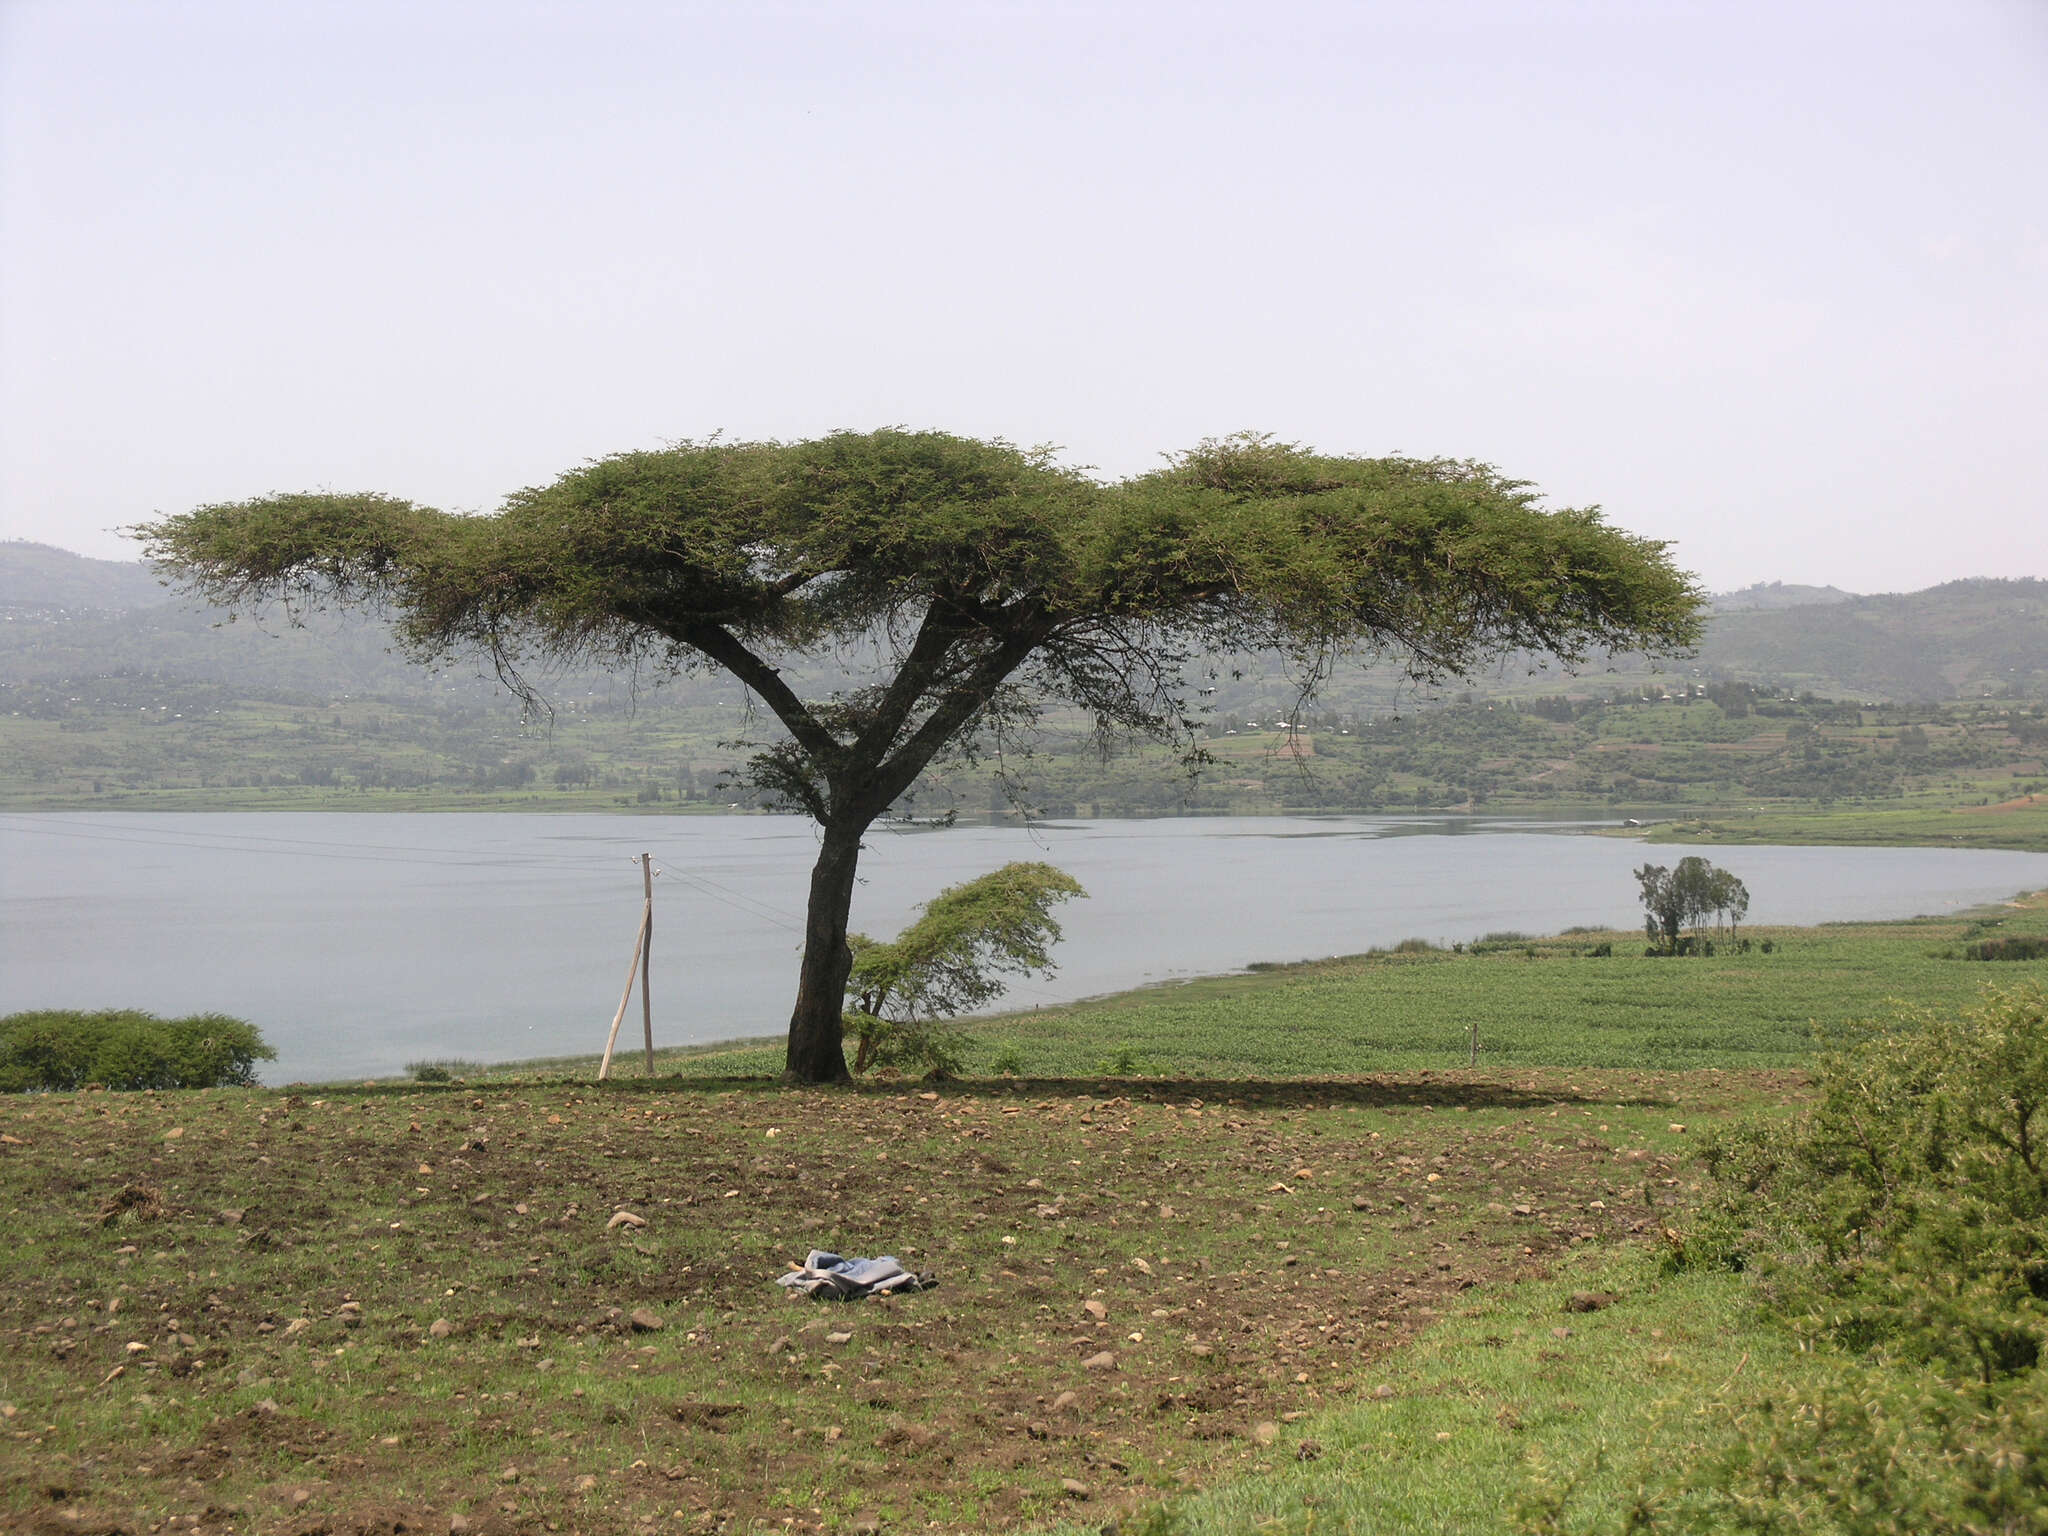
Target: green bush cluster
1901, 1223
58, 1050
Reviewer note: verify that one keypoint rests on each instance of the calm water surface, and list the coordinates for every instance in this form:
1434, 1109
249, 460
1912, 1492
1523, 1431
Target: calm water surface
361, 942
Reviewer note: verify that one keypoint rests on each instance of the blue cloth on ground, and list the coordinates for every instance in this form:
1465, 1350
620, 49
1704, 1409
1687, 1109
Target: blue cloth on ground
830, 1275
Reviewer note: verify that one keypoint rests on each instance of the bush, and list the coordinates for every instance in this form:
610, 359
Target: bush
1902, 1219
1603, 950
1907, 1211
60, 1050
2007, 949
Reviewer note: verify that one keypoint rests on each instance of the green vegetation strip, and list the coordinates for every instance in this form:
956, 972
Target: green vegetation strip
1537, 1003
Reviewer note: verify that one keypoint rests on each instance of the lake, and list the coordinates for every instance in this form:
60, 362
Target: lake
361, 942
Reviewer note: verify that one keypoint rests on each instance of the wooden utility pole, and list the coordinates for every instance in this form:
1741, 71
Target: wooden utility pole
641, 965
647, 959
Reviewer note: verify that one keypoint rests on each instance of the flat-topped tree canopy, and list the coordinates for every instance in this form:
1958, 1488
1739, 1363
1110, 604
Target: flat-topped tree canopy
990, 579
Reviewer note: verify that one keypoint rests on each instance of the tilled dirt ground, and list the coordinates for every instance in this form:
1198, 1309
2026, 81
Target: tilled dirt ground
415, 1311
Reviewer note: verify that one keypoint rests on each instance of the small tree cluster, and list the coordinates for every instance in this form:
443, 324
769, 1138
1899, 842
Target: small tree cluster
951, 960
1687, 896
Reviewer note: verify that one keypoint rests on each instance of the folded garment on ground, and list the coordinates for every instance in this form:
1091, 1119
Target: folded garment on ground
838, 1279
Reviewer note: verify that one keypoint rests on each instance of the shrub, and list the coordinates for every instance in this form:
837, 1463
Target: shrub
430, 1072
59, 1050
1907, 1211
1414, 947
1603, 950
2007, 949
1904, 1220
1009, 1062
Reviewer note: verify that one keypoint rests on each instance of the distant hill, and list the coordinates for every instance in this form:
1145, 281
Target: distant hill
65, 616
43, 576
1978, 638
1775, 595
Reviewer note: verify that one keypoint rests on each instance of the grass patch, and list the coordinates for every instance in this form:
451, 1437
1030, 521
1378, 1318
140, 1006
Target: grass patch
1515, 1406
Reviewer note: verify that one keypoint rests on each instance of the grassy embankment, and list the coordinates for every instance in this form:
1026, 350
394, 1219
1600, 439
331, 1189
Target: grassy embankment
2020, 823
342, 1309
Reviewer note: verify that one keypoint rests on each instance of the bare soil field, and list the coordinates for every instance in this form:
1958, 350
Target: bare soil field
385, 1310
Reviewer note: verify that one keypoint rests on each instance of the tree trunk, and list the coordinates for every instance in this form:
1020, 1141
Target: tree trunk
817, 1053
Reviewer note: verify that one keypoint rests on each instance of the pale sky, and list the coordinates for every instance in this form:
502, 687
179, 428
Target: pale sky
1769, 280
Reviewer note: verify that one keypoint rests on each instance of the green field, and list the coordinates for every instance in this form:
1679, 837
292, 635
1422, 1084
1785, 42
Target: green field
1538, 1003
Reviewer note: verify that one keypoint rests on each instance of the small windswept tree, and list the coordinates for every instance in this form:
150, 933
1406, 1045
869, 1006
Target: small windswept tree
983, 579
953, 959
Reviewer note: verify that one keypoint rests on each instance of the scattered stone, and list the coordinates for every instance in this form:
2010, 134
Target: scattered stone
1203, 1350
1102, 1360
1074, 1488
1360, 1203
625, 1219
842, 1337
457, 1524
174, 1133
781, 1346
509, 1475
1038, 1429
300, 1496
440, 1328
1265, 1432
1308, 1450
231, 1218
1382, 1392
297, 1325
644, 1321
1065, 1401
1095, 1309
267, 1408
1677, 1130
866, 1522
585, 1483
1560, 1333
1141, 1266
1588, 1301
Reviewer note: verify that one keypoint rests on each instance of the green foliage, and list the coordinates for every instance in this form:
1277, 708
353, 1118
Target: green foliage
2019, 948
59, 1050
1691, 893
1908, 1211
953, 959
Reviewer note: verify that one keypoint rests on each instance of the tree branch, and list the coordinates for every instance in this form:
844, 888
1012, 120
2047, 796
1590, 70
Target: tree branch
720, 646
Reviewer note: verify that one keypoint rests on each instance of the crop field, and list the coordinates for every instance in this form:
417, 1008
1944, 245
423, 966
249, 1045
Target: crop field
1547, 1002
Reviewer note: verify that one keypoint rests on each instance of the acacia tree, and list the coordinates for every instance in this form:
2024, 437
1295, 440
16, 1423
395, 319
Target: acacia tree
985, 580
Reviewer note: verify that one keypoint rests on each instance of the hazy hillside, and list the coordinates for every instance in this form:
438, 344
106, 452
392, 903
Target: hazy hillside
64, 617
1776, 594
43, 577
